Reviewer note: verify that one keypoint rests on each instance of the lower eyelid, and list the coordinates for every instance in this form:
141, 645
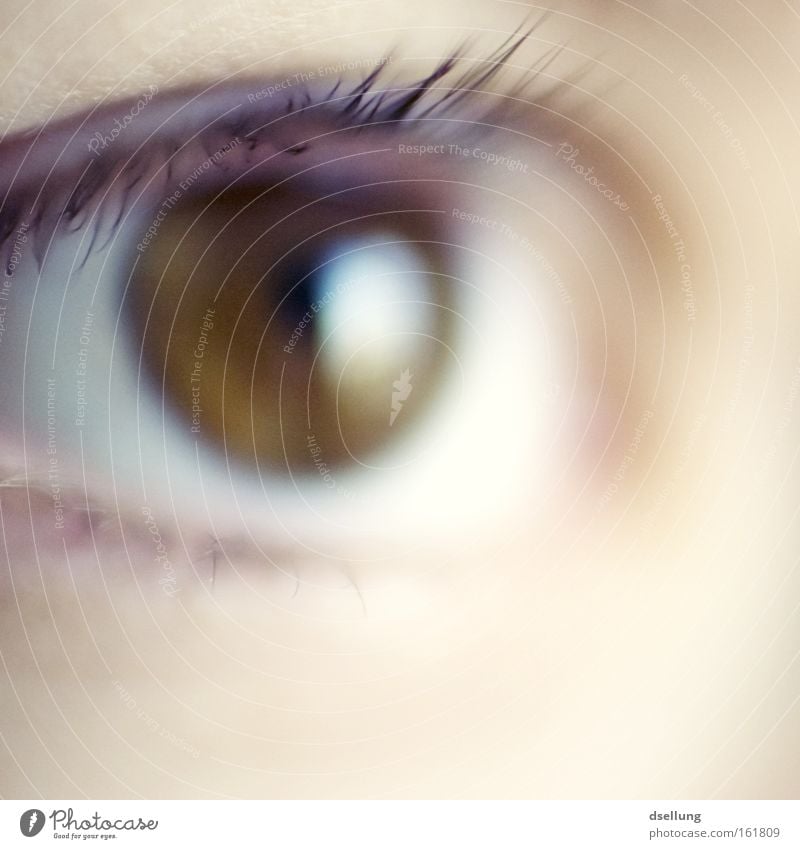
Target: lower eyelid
103, 559
48, 517
215, 115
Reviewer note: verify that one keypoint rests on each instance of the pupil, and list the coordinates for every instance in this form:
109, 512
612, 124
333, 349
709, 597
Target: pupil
303, 293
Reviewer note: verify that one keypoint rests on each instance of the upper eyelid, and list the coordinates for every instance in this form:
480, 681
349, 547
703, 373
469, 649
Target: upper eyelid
183, 111
76, 182
176, 115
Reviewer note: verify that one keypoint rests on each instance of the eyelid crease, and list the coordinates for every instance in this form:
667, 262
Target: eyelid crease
365, 106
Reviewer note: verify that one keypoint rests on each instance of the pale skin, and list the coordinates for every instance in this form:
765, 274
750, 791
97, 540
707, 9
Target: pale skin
598, 600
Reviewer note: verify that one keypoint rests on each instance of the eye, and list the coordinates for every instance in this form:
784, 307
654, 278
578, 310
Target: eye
255, 315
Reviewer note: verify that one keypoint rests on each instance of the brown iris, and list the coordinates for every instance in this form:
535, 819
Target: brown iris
273, 319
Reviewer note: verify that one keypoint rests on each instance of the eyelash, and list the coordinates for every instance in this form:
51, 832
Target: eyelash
364, 106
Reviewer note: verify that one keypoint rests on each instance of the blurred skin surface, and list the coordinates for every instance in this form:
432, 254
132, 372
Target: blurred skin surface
594, 593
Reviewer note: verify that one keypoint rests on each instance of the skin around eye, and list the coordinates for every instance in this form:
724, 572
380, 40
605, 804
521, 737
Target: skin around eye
601, 597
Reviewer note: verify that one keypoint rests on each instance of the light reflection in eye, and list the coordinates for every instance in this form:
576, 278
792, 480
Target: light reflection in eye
368, 293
